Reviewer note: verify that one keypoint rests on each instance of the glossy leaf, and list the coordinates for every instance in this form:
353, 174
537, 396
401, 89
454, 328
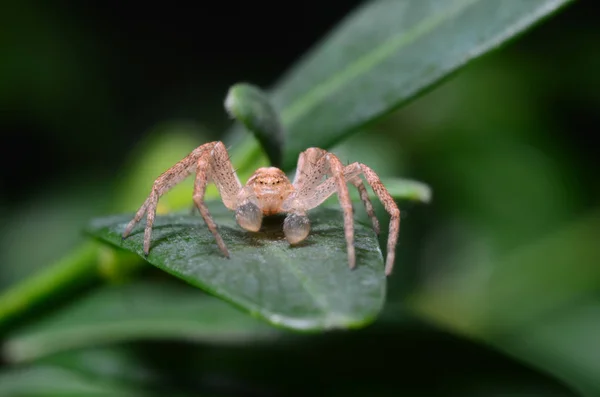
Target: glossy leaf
141, 310
306, 287
384, 54
251, 106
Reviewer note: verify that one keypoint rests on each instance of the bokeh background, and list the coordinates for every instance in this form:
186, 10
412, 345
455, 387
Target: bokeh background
507, 252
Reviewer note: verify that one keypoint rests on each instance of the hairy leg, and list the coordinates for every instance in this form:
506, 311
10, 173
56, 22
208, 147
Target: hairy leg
313, 165
225, 179
364, 197
337, 170
311, 189
203, 175
224, 176
166, 181
352, 171
310, 171
392, 208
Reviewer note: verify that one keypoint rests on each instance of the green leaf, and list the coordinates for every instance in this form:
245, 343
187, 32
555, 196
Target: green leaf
405, 189
480, 371
194, 368
124, 369
251, 106
48, 381
399, 189
141, 310
307, 287
384, 54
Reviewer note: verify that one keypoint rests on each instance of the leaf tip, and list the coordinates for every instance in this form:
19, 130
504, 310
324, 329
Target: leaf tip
232, 100
251, 106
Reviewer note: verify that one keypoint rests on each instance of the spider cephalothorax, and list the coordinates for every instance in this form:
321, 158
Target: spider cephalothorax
268, 191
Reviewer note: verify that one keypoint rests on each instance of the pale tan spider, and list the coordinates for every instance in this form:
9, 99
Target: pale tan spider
269, 192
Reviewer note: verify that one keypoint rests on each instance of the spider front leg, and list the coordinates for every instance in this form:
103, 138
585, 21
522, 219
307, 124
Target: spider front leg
313, 165
202, 178
308, 179
163, 184
210, 161
352, 174
217, 166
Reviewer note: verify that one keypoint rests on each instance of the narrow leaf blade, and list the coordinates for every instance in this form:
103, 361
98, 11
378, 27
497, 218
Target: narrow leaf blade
307, 287
386, 53
407, 189
45, 381
138, 310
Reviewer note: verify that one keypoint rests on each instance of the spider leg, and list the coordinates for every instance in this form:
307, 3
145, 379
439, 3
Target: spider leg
163, 184
364, 197
137, 217
224, 176
337, 169
310, 171
202, 178
391, 207
217, 166
313, 165
308, 180
352, 172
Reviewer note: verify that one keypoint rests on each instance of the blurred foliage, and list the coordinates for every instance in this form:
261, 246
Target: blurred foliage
148, 309
502, 266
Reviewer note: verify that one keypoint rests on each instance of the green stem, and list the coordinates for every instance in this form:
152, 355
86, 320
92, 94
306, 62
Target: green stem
72, 269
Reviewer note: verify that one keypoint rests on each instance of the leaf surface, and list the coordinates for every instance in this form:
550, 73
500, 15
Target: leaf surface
307, 287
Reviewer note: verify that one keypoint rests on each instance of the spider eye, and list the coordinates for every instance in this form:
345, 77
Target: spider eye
296, 228
249, 216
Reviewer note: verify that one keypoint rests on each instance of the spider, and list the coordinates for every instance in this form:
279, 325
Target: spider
269, 192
